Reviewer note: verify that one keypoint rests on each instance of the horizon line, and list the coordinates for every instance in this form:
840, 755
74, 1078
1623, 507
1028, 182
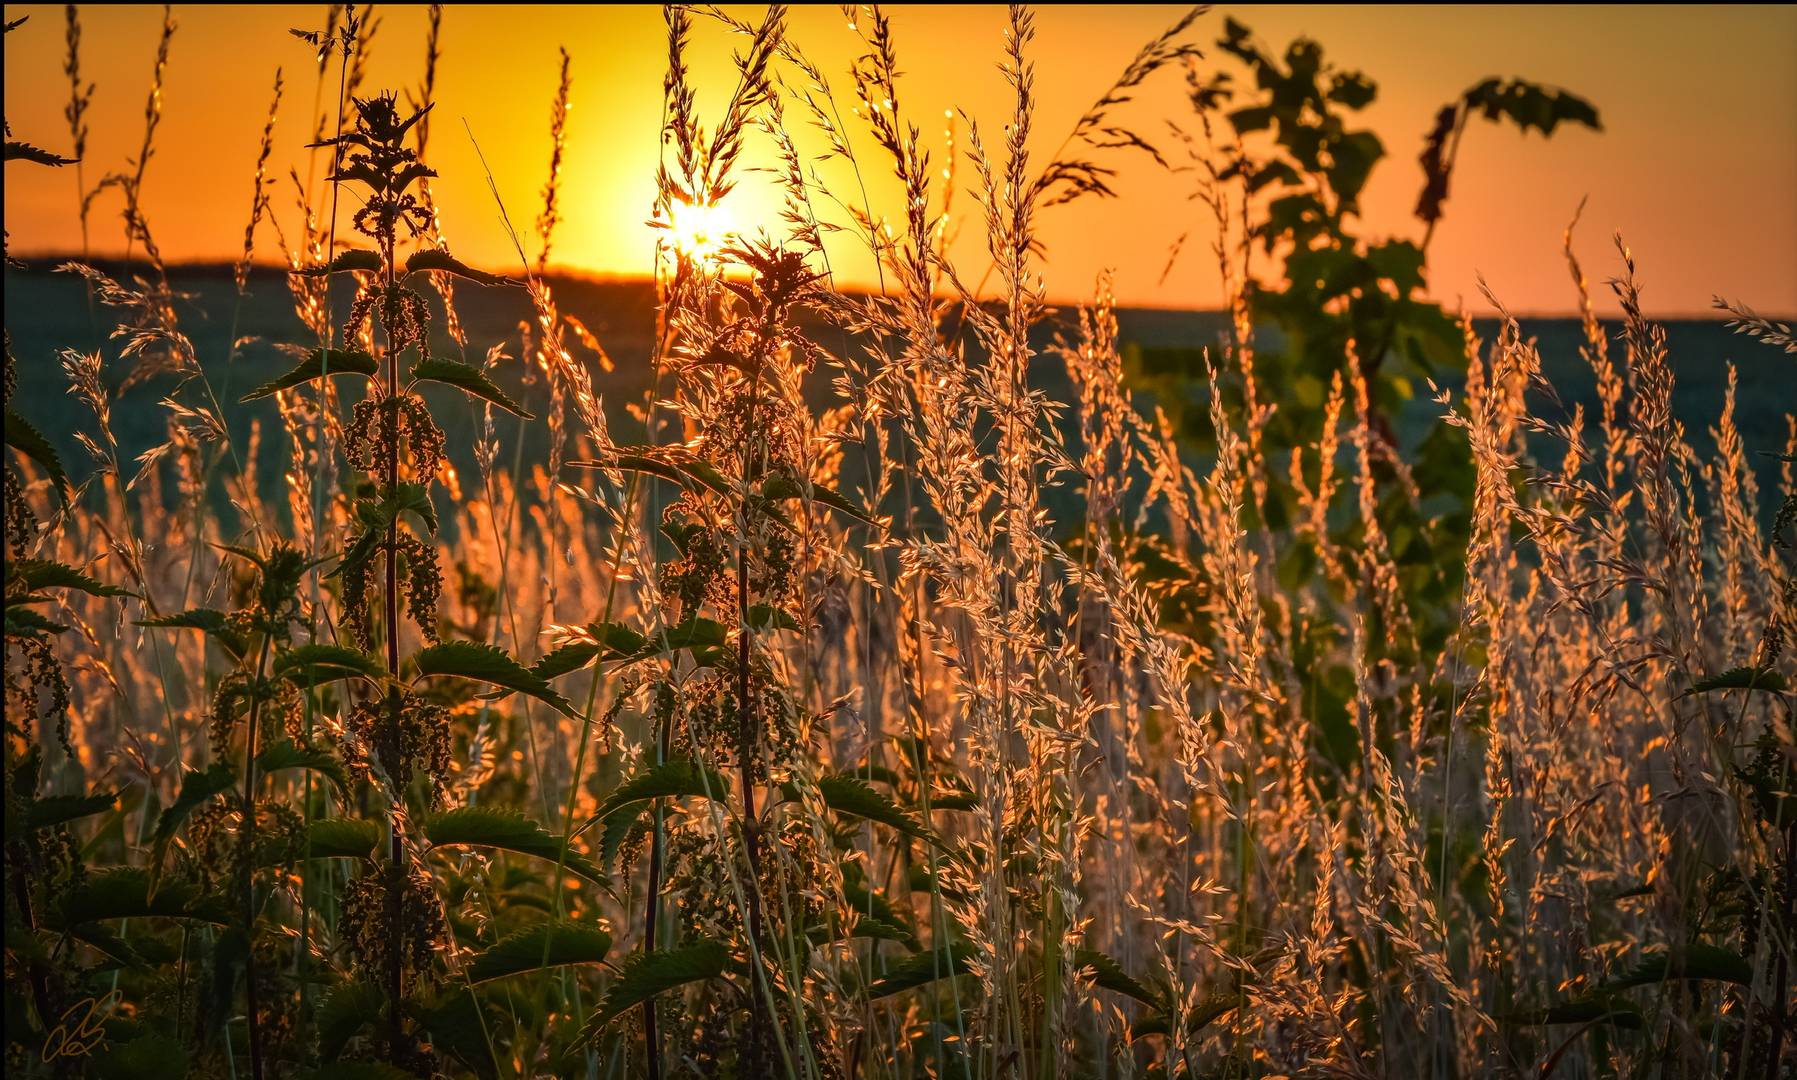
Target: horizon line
19, 262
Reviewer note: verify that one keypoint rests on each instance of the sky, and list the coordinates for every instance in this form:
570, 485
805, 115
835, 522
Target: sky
1696, 166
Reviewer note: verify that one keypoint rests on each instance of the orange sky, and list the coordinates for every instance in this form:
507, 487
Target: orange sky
1697, 165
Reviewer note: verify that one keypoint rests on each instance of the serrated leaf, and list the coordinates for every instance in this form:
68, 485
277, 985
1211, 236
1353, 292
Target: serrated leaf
309, 665
1590, 1011
767, 616
647, 975
535, 948
27, 440
696, 632
613, 642
454, 1018
783, 485
37, 155
1700, 962
343, 1011
468, 379
666, 462
47, 574
505, 830
318, 364
484, 663
1209, 1009
286, 754
24, 622
368, 262
53, 810
625, 805
1110, 975
679, 776
124, 893
197, 789
1742, 678
851, 795
921, 969
214, 623
442, 262
342, 838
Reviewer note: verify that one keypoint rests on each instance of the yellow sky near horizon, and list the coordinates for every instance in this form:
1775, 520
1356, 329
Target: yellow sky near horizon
1696, 167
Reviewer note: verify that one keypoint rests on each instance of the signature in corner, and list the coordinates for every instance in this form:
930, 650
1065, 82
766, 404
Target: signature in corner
79, 1032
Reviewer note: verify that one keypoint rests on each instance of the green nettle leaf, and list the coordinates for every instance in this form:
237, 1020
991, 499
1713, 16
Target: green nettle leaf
435, 259
669, 463
45, 574
52, 810
406, 498
24, 622
288, 755
1210, 1009
766, 616
368, 262
342, 838
1700, 962
343, 1012
648, 975
612, 642
468, 379
851, 795
1109, 974
1618, 1013
214, 623
485, 663
694, 633
124, 893
309, 665
679, 776
1742, 678
625, 805
506, 830
545, 945
318, 364
921, 969
783, 485
27, 440
454, 1018
197, 789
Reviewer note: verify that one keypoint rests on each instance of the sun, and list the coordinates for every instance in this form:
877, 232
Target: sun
700, 230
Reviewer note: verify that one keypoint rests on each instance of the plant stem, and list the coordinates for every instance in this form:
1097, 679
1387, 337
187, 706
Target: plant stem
248, 848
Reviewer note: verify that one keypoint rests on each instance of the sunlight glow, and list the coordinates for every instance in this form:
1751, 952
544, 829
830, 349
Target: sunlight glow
700, 230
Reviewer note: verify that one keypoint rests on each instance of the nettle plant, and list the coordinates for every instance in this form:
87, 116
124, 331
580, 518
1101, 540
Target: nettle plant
390, 757
750, 868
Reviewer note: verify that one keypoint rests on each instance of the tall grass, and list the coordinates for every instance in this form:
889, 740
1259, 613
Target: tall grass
853, 705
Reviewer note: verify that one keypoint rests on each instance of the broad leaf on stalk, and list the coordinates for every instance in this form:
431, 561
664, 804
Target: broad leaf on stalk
309, 665
197, 789
215, 624
342, 838
286, 754
318, 364
28, 440
505, 830
468, 379
545, 945
921, 969
479, 662
648, 975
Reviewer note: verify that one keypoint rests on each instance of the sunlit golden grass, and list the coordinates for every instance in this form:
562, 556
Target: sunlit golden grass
862, 701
